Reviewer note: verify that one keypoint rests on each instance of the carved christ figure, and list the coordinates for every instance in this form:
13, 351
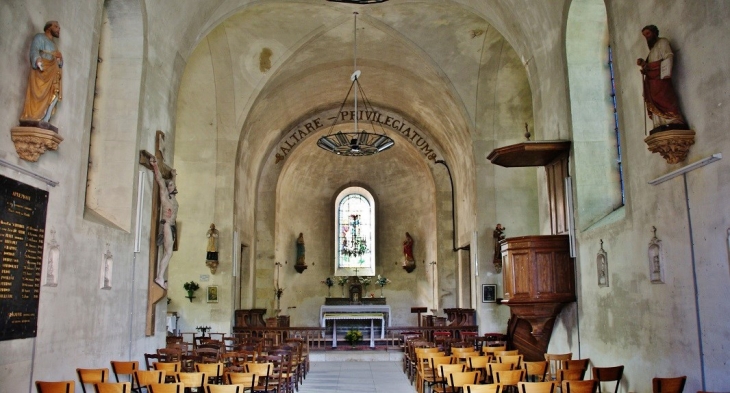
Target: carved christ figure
168, 231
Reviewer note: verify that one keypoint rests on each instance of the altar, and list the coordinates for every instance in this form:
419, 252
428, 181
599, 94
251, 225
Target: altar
355, 312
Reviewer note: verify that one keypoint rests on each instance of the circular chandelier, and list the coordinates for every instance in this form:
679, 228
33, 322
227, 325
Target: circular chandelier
358, 142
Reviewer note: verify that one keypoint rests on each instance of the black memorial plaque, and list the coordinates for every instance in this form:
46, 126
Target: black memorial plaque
22, 228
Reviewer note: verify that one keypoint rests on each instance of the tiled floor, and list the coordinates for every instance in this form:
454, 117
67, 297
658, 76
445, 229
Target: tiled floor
325, 377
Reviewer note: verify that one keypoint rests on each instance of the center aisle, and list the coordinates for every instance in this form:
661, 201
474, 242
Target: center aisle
356, 377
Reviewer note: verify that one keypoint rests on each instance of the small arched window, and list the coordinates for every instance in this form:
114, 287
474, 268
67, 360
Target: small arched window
355, 233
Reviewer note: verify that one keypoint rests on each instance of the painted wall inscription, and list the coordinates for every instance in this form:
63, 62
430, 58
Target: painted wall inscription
379, 117
22, 226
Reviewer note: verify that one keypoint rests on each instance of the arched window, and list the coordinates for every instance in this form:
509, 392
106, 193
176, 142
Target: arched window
355, 233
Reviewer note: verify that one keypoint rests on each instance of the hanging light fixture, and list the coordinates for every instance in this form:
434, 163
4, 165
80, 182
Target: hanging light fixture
358, 142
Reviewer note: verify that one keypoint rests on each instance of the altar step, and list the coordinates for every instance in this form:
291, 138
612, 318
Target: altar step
355, 355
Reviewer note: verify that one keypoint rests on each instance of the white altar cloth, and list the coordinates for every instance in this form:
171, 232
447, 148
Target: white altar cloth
371, 312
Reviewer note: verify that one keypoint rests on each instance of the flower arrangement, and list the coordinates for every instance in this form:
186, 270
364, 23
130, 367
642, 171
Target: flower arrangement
329, 282
353, 336
191, 287
343, 280
382, 281
365, 281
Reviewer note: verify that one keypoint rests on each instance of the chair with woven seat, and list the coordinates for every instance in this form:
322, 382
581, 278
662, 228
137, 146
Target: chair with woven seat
55, 386
489, 388
608, 374
423, 366
435, 377
91, 376
113, 387
166, 387
536, 387
208, 355
668, 385
535, 371
170, 354
121, 367
142, 378
587, 386
555, 363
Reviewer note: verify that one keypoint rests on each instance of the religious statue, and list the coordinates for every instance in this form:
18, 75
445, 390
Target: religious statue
661, 100
498, 235
300, 265
168, 231
44, 80
409, 263
211, 258
212, 248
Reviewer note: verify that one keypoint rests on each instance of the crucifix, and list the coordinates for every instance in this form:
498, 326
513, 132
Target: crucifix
163, 229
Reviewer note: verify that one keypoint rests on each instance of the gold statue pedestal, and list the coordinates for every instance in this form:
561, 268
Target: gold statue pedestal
31, 142
673, 145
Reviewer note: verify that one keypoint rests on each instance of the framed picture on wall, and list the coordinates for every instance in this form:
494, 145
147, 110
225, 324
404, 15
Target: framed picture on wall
489, 293
212, 294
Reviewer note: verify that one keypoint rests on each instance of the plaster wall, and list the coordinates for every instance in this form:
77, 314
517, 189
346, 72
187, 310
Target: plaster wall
632, 316
79, 325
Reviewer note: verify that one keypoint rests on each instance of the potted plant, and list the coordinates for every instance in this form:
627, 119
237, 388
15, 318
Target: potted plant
353, 337
191, 287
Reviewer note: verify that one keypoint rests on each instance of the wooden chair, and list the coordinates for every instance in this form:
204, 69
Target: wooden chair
192, 380
170, 354
237, 388
588, 386
535, 371
55, 387
435, 377
555, 363
170, 369
264, 373
91, 376
214, 371
166, 388
479, 363
575, 374
457, 380
608, 374
536, 387
423, 366
113, 387
490, 388
121, 367
494, 367
668, 385
490, 350
208, 355
511, 352
509, 378
248, 380
514, 359
150, 358
443, 374
142, 378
